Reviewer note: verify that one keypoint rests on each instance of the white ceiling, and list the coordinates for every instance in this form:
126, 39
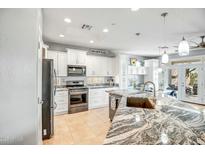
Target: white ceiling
121, 36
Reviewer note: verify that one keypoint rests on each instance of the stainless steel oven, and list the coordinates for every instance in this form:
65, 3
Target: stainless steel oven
78, 100
77, 96
76, 70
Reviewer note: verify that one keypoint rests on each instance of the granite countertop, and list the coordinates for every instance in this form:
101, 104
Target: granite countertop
92, 86
171, 122
101, 86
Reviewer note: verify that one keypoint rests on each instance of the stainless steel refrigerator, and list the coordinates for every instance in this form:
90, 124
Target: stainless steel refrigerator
48, 92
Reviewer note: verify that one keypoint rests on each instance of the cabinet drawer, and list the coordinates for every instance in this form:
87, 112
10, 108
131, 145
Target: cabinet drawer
96, 95
97, 92
95, 101
61, 101
61, 93
61, 107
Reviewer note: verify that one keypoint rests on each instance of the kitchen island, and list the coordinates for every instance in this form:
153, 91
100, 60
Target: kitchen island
171, 122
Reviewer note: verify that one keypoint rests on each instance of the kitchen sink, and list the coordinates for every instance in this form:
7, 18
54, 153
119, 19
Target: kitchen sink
141, 102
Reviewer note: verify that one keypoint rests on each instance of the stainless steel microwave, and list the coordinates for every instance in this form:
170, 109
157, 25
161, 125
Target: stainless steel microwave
76, 70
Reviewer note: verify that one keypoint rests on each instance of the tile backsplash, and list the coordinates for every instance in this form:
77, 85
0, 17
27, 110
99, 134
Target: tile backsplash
89, 80
98, 80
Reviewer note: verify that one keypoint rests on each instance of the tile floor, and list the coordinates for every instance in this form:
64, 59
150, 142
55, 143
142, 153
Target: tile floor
88, 127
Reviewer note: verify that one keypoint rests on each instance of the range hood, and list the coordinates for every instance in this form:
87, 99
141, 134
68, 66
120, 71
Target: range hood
100, 52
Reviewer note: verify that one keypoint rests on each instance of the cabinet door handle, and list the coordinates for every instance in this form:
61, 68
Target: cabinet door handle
55, 105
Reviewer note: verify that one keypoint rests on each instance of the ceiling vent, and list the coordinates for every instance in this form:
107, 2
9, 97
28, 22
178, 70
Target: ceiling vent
86, 27
101, 52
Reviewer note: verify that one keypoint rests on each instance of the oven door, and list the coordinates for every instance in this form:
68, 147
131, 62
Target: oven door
76, 70
78, 98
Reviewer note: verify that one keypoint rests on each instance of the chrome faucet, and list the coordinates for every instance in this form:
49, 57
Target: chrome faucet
154, 92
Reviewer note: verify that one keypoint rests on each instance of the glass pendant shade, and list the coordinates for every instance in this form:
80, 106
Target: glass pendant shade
165, 58
183, 48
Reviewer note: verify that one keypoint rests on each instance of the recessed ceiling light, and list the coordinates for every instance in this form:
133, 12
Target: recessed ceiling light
61, 35
135, 9
91, 41
105, 30
67, 20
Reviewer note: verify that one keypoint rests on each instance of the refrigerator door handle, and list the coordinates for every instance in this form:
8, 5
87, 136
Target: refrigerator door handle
55, 105
55, 80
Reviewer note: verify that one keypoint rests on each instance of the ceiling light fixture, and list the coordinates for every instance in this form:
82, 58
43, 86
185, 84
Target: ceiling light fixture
61, 35
135, 9
91, 41
105, 30
67, 20
183, 48
165, 57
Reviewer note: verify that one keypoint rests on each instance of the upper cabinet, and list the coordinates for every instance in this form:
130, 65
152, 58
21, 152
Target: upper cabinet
76, 57
96, 65
53, 55
100, 66
152, 66
111, 66
60, 62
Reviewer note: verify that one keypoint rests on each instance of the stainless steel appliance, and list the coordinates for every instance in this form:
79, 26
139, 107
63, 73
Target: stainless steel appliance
76, 70
114, 101
48, 92
77, 96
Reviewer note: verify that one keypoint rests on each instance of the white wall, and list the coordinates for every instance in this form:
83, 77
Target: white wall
18, 76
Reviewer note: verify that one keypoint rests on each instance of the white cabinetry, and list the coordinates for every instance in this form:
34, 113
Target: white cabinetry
122, 71
76, 57
60, 62
61, 101
111, 67
100, 66
99, 97
53, 55
92, 66
152, 66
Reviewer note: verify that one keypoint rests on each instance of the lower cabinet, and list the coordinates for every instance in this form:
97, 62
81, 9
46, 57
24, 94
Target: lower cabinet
61, 101
99, 97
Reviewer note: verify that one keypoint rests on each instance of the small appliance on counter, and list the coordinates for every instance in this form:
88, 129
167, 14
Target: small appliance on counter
111, 82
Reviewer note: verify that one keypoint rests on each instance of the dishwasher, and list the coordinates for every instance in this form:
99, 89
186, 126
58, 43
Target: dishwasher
114, 101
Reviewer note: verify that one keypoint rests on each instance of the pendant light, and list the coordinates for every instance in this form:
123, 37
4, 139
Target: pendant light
183, 48
165, 57
160, 68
